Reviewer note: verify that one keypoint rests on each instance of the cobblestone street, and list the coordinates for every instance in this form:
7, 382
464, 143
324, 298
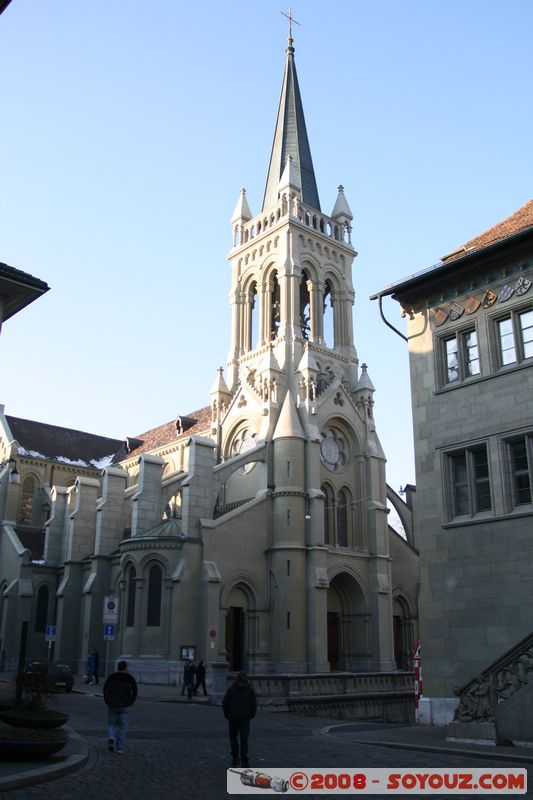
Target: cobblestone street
181, 750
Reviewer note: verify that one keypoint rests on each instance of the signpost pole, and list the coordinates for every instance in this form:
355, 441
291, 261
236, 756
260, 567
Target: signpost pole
110, 620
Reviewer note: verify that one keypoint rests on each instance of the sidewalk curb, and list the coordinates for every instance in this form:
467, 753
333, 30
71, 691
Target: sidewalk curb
492, 753
50, 772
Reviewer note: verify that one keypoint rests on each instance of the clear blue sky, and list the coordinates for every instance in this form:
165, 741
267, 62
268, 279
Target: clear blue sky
128, 129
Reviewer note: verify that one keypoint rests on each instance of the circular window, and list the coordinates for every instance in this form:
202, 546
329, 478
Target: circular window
333, 450
244, 442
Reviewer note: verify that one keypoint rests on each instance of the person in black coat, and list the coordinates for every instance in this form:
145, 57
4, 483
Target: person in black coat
188, 679
239, 706
96, 666
120, 693
200, 678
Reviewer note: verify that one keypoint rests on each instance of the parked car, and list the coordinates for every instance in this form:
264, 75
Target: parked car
48, 676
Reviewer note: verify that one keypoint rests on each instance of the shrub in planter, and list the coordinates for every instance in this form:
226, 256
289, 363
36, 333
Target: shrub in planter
33, 717
28, 744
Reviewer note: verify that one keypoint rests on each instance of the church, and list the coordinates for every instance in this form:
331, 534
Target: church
253, 532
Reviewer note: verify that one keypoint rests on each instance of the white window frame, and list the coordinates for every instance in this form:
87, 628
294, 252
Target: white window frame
473, 481
527, 440
522, 347
464, 371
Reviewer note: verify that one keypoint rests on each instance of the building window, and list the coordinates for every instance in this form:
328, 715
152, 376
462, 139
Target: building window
470, 481
328, 506
342, 519
130, 614
520, 452
461, 356
515, 337
338, 510
41, 611
155, 584
29, 489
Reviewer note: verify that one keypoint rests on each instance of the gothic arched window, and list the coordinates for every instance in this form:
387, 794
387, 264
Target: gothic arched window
275, 309
130, 610
328, 507
41, 609
342, 519
29, 488
253, 317
155, 585
329, 321
305, 306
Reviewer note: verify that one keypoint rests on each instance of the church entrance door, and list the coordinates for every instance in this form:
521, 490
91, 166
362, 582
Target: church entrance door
235, 638
333, 640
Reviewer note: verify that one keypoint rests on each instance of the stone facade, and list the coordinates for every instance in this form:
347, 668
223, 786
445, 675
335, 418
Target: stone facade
253, 531
470, 338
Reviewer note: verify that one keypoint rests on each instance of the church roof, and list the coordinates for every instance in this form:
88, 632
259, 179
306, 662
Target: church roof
167, 528
516, 222
68, 446
290, 139
181, 427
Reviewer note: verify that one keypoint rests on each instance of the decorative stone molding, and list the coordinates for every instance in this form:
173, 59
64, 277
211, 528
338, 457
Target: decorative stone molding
501, 680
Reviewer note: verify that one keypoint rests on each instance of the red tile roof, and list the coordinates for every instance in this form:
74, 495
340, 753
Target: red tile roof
197, 422
520, 220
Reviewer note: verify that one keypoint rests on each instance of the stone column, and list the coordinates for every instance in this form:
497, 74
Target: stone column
56, 528
110, 512
82, 499
147, 510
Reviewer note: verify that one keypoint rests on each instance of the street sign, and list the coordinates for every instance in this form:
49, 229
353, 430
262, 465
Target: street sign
109, 632
110, 610
50, 633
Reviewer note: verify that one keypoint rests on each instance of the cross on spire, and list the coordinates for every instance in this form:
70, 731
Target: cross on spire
291, 19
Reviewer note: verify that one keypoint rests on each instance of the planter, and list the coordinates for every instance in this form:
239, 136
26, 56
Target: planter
44, 719
24, 744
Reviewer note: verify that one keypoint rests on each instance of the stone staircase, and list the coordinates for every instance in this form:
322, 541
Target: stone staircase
496, 706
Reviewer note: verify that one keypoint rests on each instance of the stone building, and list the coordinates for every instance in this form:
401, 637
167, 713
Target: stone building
17, 290
470, 339
254, 530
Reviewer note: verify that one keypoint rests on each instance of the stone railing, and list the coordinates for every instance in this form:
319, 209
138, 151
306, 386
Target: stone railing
330, 683
293, 208
384, 696
503, 678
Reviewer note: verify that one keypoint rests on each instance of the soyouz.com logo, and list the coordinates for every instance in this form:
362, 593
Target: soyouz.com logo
377, 781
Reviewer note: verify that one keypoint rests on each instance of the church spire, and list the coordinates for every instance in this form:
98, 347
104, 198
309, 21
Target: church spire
290, 138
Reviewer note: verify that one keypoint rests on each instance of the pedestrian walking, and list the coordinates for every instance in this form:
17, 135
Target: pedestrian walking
239, 706
120, 693
96, 665
200, 678
89, 668
188, 679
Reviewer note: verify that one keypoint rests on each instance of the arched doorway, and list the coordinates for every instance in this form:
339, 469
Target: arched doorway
238, 632
348, 646
403, 633
235, 637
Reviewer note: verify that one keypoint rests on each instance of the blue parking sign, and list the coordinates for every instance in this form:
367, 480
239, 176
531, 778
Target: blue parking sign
50, 633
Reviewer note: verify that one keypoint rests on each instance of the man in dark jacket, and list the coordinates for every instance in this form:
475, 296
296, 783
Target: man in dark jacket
120, 693
239, 706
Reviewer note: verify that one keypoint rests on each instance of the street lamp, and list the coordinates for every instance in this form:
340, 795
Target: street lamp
14, 475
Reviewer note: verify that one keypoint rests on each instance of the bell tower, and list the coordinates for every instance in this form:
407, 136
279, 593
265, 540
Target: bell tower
291, 287
293, 387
